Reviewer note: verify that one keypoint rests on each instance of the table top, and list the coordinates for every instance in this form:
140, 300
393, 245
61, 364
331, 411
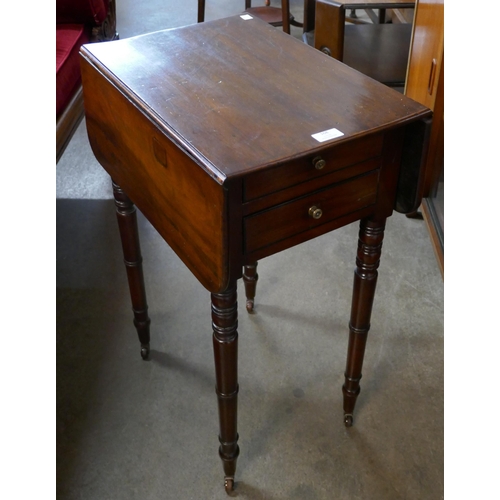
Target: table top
373, 4
239, 95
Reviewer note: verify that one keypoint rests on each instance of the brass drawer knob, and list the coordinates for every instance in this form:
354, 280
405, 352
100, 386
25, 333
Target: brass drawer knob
318, 163
315, 212
326, 50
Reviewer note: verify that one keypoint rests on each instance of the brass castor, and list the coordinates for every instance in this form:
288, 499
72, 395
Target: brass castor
144, 351
229, 484
250, 305
348, 420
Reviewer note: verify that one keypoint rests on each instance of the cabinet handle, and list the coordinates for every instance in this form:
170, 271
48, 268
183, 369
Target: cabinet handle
326, 50
432, 76
318, 163
315, 212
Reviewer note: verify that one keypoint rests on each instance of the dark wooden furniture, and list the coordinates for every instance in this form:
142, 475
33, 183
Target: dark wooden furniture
377, 50
425, 84
227, 178
77, 22
274, 16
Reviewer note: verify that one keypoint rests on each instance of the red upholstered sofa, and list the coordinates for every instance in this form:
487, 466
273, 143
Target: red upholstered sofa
77, 22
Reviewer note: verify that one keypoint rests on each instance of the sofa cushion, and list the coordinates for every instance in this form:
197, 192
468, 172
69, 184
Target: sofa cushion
69, 38
81, 11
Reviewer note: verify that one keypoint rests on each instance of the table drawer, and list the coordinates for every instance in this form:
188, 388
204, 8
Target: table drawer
304, 169
298, 216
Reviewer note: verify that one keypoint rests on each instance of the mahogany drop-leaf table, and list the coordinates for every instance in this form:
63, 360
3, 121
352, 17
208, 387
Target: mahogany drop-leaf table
237, 141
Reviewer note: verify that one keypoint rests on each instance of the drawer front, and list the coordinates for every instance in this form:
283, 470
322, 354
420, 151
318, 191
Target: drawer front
298, 216
304, 169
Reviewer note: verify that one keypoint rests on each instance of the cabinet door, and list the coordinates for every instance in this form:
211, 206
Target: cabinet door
425, 84
426, 53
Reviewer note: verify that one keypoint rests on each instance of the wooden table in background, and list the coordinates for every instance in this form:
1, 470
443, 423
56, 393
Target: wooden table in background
237, 141
377, 50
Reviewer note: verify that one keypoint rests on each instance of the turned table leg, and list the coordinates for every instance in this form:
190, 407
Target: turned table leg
371, 234
201, 11
225, 342
250, 278
127, 224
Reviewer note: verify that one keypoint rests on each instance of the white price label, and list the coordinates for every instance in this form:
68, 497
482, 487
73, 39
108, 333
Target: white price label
326, 135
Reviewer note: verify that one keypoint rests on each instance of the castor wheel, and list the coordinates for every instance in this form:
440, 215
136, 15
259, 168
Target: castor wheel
250, 305
348, 420
229, 484
144, 351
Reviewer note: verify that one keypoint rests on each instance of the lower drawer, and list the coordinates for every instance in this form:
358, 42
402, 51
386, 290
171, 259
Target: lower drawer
308, 212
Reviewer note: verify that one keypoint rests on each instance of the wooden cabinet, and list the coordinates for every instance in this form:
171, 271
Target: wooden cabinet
425, 84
